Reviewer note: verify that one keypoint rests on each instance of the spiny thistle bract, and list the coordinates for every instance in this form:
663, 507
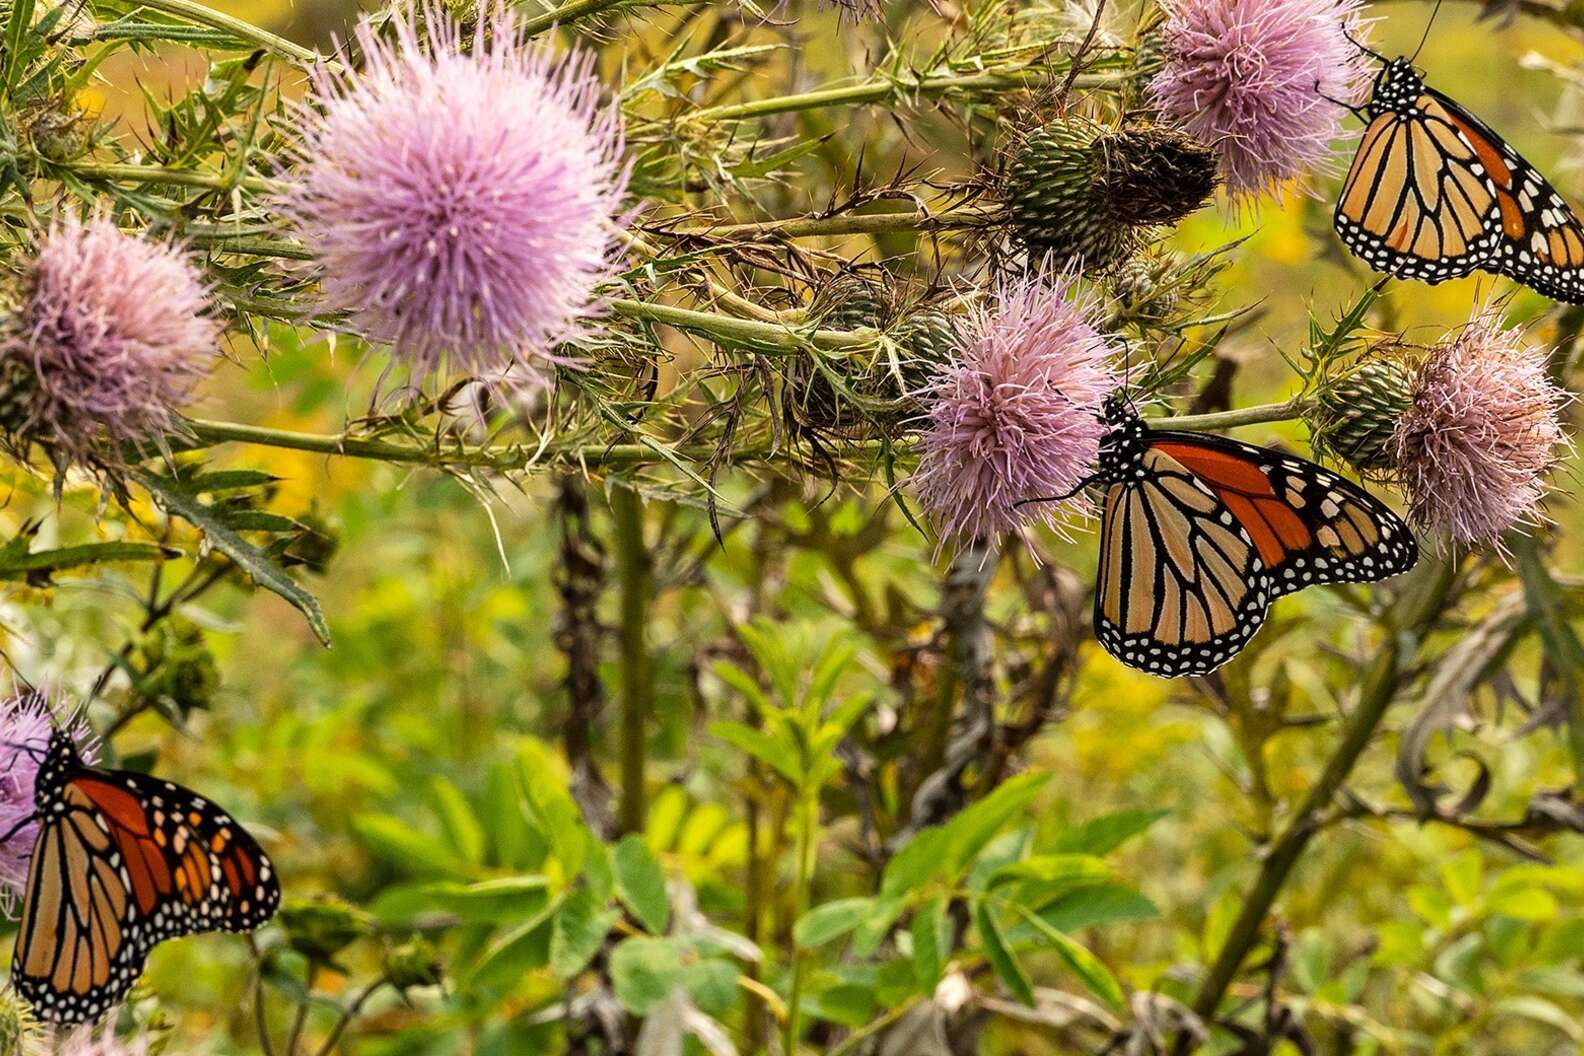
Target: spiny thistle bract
110, 339
1015, 415
461, 195
1355, 417
1086, 194
1257, 79
886, 380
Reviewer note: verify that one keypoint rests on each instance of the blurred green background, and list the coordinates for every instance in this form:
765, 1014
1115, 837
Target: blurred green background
445, 673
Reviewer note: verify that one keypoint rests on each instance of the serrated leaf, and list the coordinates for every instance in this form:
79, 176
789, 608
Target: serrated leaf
578, 931
1000, 956
831, 921
640, 884
644, 971
249, 558
1106, 833
1085, 965
17, 563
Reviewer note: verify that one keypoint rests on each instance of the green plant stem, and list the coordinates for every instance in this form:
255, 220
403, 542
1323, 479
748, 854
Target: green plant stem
238, 28
156, 174
634, 580
884, 90
572, 11
808, 829
851, 224
754, 333
502, 459
1417, 612
1285, 411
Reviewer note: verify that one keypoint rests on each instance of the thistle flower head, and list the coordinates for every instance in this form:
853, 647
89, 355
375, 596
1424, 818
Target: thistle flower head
1483, 431
1257, 79
27, 720
109, 340
1016, 415
462, 202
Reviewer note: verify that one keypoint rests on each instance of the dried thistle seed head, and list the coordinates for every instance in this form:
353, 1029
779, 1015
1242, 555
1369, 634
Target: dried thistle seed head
1147, 288
1155, 175
1084, 193
1355, 416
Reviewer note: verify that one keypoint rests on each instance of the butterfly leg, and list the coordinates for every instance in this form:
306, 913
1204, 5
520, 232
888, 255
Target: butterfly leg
1081, 485
18, 827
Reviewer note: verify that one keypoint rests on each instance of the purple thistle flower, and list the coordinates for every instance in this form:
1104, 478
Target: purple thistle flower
110, 339
1016, 415
1483, 430
1256, 78
461, 203
26, 721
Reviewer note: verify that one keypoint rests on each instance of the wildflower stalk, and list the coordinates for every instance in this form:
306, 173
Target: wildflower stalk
1285, 411
157, 174
807, 845
576, 10
635, 584
1416, 614
764, 336
242, 30
965, 216
890, 89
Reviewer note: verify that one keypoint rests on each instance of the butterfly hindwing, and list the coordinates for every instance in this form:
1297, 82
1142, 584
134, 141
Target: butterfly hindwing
1434, 193
122, 862
1200, 533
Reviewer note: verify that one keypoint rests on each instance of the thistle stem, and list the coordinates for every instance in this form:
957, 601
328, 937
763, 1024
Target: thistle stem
238, 28
157, 174
883, 90
851, 224
763, 336
1286, 411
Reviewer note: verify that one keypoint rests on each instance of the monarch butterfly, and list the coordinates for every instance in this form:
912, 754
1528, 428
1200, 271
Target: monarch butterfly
122, 862
1434, 194
1200, 533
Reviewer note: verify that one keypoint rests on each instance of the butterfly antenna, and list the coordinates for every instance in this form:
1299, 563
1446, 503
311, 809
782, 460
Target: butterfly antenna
1081, 485
1433, 13
1365, 48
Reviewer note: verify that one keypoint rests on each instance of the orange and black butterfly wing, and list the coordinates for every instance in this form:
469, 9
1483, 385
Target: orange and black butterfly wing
1181, 587
1539, 237
1418, 201
1309, 525
1195, 547
124, 861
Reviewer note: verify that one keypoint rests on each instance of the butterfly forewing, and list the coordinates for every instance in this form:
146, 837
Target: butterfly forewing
122, 862
1433, 194
1200, 533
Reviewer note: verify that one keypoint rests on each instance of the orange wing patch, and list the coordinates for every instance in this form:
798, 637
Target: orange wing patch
1245, 490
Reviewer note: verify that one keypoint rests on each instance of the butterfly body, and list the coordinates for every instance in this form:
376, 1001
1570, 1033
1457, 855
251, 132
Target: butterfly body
122, 862
1200, 533
1434, 194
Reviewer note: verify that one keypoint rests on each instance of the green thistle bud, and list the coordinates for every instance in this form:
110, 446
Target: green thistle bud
813, 404
1355, 416
176, 670
414, 963
322, 928
1144, 289
1083, 192
17, 1024
926, 339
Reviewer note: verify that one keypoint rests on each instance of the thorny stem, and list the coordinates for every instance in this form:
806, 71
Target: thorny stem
574, 10
851, 224
158, 174
808, 827
1417, 612
635, 582
1285, 411
887, 89
235, 26
765, 336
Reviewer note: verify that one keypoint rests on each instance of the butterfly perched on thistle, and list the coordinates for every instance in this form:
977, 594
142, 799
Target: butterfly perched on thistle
1435, 194
121, 862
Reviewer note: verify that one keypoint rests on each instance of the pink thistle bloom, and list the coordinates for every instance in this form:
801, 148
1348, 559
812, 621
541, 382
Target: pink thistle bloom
1483, 431
1016, 415
26, 721
111, 337
461, 202
1256, 79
